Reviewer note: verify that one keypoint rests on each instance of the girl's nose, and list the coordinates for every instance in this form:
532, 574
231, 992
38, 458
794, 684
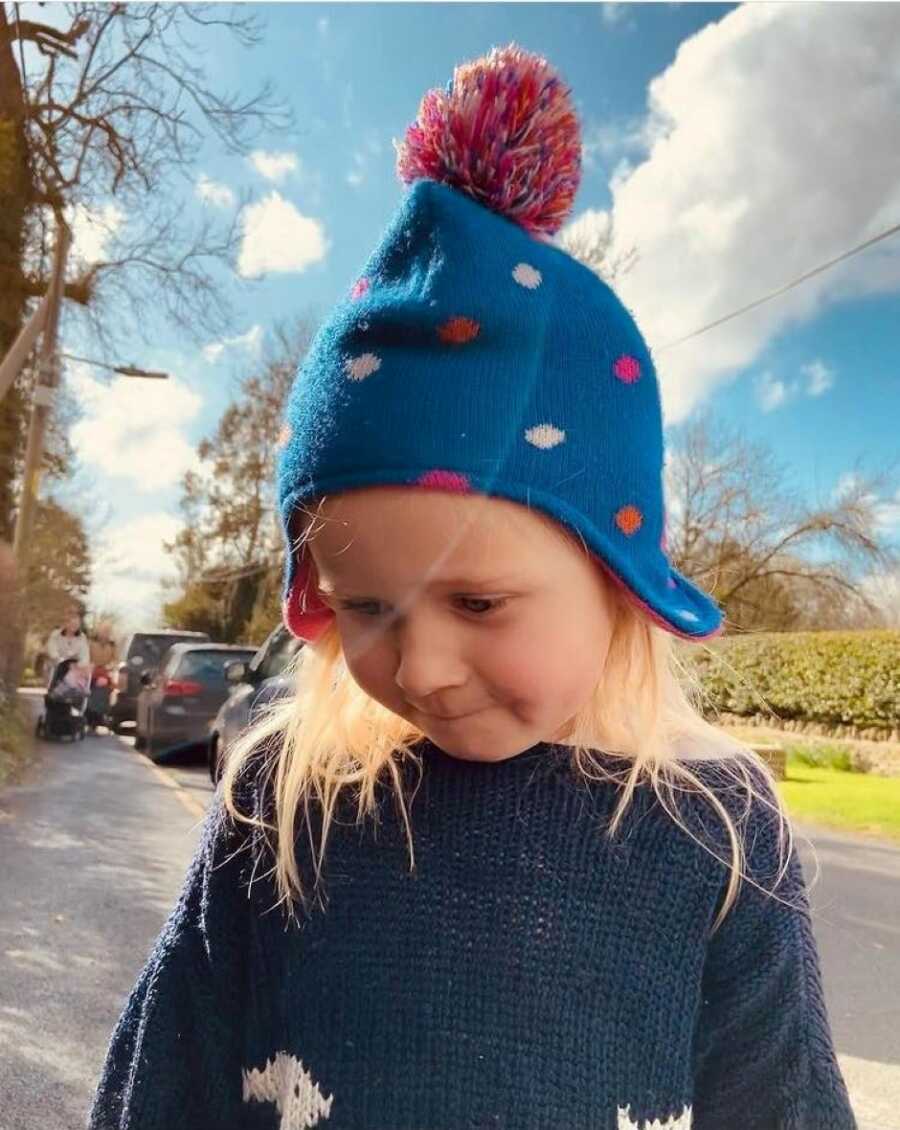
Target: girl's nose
428, 661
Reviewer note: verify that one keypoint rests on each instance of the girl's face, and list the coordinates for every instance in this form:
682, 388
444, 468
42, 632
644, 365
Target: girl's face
472, 617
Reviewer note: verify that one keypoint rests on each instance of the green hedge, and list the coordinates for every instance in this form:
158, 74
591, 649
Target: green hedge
834, 678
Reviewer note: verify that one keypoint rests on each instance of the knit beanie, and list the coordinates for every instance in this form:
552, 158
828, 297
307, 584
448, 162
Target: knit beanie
473, 355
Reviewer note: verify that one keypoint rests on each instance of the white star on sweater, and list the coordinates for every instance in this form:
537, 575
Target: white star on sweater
676, 1122
285, 1082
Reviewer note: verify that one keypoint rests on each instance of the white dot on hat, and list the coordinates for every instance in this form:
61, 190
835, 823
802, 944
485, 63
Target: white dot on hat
358, 368
526, 275
545, 436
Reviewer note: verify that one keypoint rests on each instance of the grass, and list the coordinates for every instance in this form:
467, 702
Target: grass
832, 797
821, 789
16, 743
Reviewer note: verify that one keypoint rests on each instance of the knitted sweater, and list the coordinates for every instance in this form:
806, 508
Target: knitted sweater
531, 973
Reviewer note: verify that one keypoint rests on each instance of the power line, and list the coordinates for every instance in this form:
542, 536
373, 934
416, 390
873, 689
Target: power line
781, 290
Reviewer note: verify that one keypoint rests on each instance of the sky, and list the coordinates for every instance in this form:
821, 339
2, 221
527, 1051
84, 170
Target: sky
734, 147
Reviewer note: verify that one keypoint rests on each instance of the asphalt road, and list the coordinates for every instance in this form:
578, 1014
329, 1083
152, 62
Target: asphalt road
93, 850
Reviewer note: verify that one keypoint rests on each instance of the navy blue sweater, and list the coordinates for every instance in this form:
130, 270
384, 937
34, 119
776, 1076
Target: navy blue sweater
530, 974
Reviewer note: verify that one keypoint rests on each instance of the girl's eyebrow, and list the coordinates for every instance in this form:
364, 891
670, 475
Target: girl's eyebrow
464, 584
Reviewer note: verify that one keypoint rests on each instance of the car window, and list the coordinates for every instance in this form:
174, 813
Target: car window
170, 662
208, 667
283, 649
150, 649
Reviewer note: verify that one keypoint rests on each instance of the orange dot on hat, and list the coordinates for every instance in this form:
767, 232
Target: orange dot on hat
629, 520
459, 331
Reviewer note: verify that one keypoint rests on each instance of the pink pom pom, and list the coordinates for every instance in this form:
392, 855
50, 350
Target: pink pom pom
505, 132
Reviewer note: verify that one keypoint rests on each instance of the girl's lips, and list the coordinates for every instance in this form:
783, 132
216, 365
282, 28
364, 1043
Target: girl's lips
453, 717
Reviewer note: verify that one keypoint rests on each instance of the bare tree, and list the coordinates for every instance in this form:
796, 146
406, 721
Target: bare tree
772, 561
229, 550
109, 128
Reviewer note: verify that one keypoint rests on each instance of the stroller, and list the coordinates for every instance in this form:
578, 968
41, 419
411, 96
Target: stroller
65, 703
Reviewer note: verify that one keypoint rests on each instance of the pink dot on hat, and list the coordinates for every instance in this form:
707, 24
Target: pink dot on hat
358, 368
627, 368
445, 480
360, 287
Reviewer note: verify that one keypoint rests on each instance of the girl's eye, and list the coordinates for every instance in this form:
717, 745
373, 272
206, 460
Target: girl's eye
364, 607
478, 606
481, 605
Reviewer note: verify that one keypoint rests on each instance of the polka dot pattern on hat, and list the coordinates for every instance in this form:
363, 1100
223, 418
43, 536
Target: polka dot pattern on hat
358, 368
445, 480
545, 436
360, 287
627, 368
629, 519
527, 276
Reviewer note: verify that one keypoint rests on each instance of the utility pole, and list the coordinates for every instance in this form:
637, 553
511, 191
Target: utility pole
12, 661
42, 401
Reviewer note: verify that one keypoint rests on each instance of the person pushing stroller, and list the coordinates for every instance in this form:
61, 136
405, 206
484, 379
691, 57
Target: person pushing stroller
65, 700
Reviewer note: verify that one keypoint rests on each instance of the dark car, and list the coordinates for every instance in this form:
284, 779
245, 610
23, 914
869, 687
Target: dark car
178, 703
253, 685
141, 654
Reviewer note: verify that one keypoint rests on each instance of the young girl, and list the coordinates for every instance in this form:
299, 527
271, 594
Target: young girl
489, 868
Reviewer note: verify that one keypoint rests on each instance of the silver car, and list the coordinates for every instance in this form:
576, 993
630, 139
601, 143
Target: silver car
177, 703
253, 685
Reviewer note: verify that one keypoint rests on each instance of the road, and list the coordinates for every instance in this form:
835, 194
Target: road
94, 846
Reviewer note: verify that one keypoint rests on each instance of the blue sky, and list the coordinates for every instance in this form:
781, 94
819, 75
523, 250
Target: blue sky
735, 149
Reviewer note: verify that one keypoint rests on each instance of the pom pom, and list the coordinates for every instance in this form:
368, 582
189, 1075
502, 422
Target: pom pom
505, 132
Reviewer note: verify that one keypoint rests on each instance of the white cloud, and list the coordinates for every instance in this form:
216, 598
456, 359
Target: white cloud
772, 393
362, 159
130, 565
274, 166
887, 514
609, 142
774, 146
132, 428
211, 192
614, 14
886, 511
277, 237
251, 341
821, 378
92, 229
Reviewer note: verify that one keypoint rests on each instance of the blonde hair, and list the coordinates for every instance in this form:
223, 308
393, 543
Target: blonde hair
332, 739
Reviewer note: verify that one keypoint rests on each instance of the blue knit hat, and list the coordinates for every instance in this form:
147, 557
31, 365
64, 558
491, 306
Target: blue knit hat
471, 355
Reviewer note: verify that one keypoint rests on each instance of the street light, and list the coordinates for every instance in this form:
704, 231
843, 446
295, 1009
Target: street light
122, 370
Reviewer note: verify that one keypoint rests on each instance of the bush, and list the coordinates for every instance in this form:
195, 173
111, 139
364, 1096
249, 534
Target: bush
823, 757
833, 678
15, 739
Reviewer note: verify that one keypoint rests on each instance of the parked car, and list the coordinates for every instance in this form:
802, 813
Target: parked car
253, 685
141, 654
177, 704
